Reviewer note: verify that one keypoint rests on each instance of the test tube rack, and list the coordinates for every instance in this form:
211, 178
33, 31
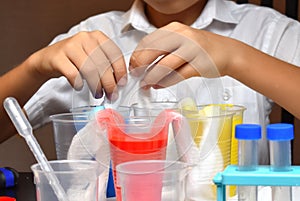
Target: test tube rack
262, 176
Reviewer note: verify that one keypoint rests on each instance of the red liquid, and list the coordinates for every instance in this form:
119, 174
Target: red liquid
143, 187
125, 148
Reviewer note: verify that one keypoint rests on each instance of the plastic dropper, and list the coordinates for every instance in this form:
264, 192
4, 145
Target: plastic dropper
24, 129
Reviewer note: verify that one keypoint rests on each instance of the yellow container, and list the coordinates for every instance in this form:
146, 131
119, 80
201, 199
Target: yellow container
238, 114
199, 118
211, 130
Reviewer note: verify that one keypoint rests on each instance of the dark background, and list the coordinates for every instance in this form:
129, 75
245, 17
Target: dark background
25, 27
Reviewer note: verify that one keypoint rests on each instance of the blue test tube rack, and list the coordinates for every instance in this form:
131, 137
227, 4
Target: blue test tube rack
262, 176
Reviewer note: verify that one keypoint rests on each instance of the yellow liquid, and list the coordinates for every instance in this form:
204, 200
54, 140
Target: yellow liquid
200, 123
227, 143
237, 119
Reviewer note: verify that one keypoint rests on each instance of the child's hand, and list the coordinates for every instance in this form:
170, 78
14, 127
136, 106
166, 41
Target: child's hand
187, 53
87, 55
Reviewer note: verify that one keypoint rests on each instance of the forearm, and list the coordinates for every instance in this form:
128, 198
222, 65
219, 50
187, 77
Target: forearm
21, 82
274, 78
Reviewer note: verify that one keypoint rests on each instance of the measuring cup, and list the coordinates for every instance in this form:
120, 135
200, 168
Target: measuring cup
78, 178
86, 139
211, 129
238, 113
153, 108
93, 109
135, 137
65, 127
149, 180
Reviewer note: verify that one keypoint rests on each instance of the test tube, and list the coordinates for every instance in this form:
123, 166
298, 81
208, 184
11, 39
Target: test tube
280, 136
247, 136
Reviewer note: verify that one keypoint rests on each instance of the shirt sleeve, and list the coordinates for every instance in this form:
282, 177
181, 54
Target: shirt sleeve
55, 96
288, 48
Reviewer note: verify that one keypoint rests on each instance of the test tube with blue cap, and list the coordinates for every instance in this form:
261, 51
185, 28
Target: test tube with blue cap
247, 136
280, 136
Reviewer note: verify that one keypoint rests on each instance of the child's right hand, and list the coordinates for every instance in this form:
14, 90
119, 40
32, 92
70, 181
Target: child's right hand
87, 55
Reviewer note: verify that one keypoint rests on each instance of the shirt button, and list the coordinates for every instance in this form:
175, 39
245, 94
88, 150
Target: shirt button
226, 95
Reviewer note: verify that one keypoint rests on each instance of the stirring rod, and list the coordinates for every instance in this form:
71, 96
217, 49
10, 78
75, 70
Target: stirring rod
24, 129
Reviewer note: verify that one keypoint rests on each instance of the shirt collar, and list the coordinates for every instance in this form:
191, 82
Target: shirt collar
220, 10
135, 18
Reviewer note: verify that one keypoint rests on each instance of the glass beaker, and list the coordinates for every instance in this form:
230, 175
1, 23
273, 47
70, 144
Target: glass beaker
149, 180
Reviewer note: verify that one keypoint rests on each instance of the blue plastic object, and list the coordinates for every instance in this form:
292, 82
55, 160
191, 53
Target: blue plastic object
110, 192
262, 176
248, 132
91, 111
8, 177
280, 132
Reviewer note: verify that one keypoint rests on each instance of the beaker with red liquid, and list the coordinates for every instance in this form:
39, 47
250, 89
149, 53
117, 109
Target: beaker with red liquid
153, 180
135, 137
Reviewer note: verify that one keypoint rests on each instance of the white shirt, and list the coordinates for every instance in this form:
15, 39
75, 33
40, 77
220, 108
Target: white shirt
260, 27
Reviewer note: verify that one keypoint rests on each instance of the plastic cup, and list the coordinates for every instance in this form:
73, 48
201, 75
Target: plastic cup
65, 127
123, 110
134, 138
238, 114
149, 180
153, 108
78, 178
211, 129
236, 110
82, 109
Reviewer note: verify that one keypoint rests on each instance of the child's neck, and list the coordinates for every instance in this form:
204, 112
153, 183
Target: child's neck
186, 17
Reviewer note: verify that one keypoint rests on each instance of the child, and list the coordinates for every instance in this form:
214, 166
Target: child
262, 28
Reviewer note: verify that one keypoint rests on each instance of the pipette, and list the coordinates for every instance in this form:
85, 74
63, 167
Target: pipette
24, 129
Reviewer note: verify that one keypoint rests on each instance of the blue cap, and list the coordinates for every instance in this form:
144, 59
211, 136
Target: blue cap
280, 131
248, 131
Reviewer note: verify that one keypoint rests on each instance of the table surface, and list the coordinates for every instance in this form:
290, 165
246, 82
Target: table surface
24, 190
